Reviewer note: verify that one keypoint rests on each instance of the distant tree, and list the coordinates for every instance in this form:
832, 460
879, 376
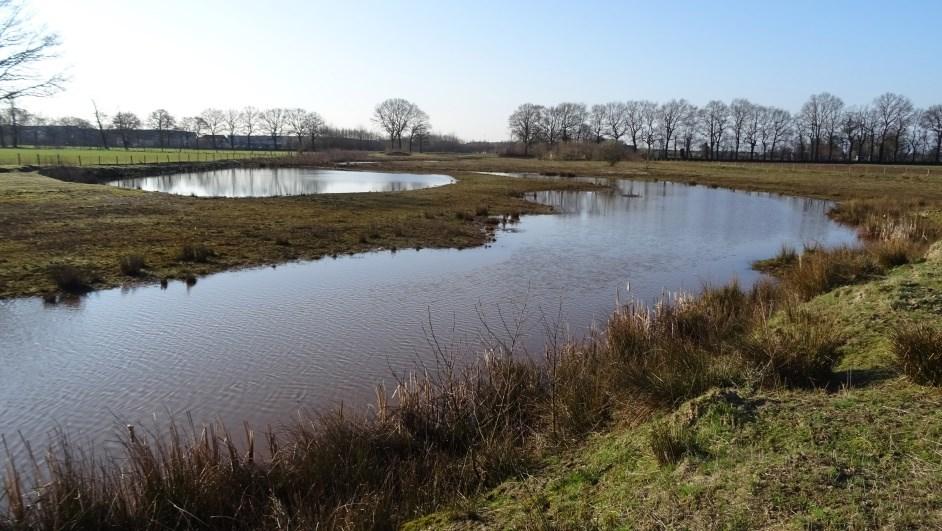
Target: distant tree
634, 120
649, 123
549, 125
194, 125
296, 124
419, 127
249, 117
314, 126
571, 117
100, 119
615, 118
891, 109
273, 121
232, 122
125, 123
739, 111
598, 119
213, 120
524, 125
751, 132
714, 117
669, 116
831, 109
394, 116
851, 129
162, 121
932, 121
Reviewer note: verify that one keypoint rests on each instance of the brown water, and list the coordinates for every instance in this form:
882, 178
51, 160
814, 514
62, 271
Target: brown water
261, 344
269, 182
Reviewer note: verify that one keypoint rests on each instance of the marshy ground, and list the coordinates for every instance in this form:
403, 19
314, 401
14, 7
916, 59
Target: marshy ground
96, 229
793, 405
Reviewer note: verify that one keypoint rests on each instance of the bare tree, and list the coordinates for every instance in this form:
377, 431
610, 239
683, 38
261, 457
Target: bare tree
669, 116
715, 114
22, 49
162, 121
126, 123
550, 124
779, 124
213, 120
524, 124
571, 117
649, 123
295, 121
751, 133
249, 118
739, 111
597, 122
232, 122
314, 125
616, 116
851, 129
634, 120
394, 116
890, 109
273, 121
418, 127
932, 121
194, 125
100, 119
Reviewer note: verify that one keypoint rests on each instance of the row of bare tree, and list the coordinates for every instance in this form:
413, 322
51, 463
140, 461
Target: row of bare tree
277, 122
890, 129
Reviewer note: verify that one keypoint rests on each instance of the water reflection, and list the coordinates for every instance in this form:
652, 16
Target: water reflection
259, 344
269, 182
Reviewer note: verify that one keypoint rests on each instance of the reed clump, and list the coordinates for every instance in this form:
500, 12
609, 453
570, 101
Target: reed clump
132, 265
918, 352
71, 279
195, 252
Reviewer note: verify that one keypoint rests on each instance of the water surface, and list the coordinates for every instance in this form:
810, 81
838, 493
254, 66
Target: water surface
261, 344
269, 182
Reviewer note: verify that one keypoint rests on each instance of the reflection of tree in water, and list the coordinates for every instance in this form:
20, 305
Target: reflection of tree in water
268, 182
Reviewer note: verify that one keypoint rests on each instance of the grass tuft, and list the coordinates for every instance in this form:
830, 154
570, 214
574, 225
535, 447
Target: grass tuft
131, 265
70, 279
918, 351
195, 252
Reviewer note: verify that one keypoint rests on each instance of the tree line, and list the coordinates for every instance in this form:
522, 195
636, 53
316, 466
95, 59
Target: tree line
889, 129
245, 128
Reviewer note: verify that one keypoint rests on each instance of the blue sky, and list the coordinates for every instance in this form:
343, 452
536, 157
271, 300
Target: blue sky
469, 64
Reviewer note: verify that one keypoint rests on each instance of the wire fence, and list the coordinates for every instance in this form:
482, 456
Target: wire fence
67, 157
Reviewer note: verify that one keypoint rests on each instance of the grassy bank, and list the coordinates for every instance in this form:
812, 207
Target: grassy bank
46, 223
864, 452
782, 406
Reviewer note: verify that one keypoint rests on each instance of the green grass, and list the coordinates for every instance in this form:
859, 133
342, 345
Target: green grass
119, 156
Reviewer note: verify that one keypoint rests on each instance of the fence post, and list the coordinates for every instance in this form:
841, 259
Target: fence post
37, 160
132, 158
58, 159
18, 163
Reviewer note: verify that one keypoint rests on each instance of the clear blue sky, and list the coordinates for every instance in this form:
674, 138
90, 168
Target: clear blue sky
469, 64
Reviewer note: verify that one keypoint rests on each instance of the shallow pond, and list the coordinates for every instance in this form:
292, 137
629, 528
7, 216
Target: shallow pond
270, 182
260, 344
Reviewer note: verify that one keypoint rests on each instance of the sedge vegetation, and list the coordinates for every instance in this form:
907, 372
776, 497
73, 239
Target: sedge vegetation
796, 403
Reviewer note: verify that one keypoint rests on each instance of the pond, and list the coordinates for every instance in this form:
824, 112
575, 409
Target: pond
261, 344
270, 182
